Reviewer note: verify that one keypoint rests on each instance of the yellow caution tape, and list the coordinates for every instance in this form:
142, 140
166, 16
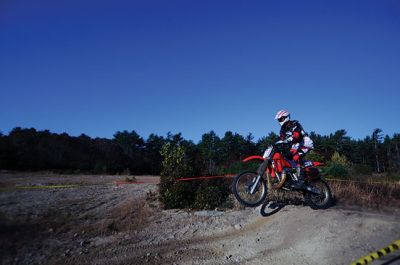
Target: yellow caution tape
46, 187
378, 254
8, 189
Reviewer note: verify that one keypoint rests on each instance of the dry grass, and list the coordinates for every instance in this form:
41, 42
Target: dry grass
285, 197
366, 194
128, 216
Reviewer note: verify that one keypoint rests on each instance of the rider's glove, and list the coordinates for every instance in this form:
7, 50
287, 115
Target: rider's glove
287, 140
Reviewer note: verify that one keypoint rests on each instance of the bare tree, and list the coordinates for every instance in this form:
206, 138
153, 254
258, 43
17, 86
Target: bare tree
377, 139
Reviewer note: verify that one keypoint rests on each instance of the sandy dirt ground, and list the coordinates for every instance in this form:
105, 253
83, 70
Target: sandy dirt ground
99, 220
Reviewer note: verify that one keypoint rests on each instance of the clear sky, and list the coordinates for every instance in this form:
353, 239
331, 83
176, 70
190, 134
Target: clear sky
96, 67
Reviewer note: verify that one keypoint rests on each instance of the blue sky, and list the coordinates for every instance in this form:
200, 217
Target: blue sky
96, 67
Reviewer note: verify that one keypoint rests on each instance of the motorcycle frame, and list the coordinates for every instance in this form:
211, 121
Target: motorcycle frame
276, 165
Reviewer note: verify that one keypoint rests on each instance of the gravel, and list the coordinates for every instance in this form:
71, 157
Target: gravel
100, 222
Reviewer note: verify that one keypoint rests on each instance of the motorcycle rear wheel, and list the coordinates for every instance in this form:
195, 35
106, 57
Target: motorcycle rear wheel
242, 185
319, 201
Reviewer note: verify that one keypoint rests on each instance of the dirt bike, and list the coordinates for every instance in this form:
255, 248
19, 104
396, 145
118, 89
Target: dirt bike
251, 189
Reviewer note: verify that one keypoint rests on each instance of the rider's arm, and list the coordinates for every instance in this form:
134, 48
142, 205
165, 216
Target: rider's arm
286, 138
297, 132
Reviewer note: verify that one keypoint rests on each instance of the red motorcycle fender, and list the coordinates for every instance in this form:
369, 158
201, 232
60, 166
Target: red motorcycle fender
253, 158
269, 169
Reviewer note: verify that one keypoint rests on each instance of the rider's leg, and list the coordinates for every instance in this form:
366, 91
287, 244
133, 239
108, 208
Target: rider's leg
298, 153
298, 156
301, 152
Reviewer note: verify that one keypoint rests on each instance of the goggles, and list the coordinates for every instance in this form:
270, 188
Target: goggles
281, 119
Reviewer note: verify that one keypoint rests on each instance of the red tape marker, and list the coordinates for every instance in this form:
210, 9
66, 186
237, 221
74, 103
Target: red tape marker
207, 177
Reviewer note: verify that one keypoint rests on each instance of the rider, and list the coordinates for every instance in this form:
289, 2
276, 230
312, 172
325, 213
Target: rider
292, 133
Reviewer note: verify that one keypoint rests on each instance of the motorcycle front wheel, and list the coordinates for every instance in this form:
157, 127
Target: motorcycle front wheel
242, 185
322, 200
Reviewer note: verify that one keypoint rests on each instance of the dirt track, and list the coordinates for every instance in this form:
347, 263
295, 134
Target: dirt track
100, 222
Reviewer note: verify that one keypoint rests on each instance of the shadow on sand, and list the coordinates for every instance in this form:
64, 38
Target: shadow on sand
271, 207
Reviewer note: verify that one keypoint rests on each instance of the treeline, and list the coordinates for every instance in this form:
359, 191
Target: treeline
28, 149
129, 153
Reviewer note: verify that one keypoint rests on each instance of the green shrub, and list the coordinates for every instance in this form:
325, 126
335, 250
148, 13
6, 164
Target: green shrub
178, 195
175, 163
340, 160
336, 170
338, 167
211, 194
199, 194
237, 167
313, 156
174, 194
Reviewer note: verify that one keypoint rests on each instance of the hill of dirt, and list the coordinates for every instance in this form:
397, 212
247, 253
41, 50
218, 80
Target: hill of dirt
104, 220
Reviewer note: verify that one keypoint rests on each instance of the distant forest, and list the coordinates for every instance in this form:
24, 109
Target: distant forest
129, 153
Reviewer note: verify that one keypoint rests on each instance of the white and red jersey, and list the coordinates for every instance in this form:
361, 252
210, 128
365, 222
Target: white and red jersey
292, 132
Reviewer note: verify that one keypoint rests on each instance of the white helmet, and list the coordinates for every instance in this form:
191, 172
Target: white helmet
282, 116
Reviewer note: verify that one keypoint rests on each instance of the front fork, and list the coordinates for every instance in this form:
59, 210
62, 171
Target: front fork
255, 184
260, 171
